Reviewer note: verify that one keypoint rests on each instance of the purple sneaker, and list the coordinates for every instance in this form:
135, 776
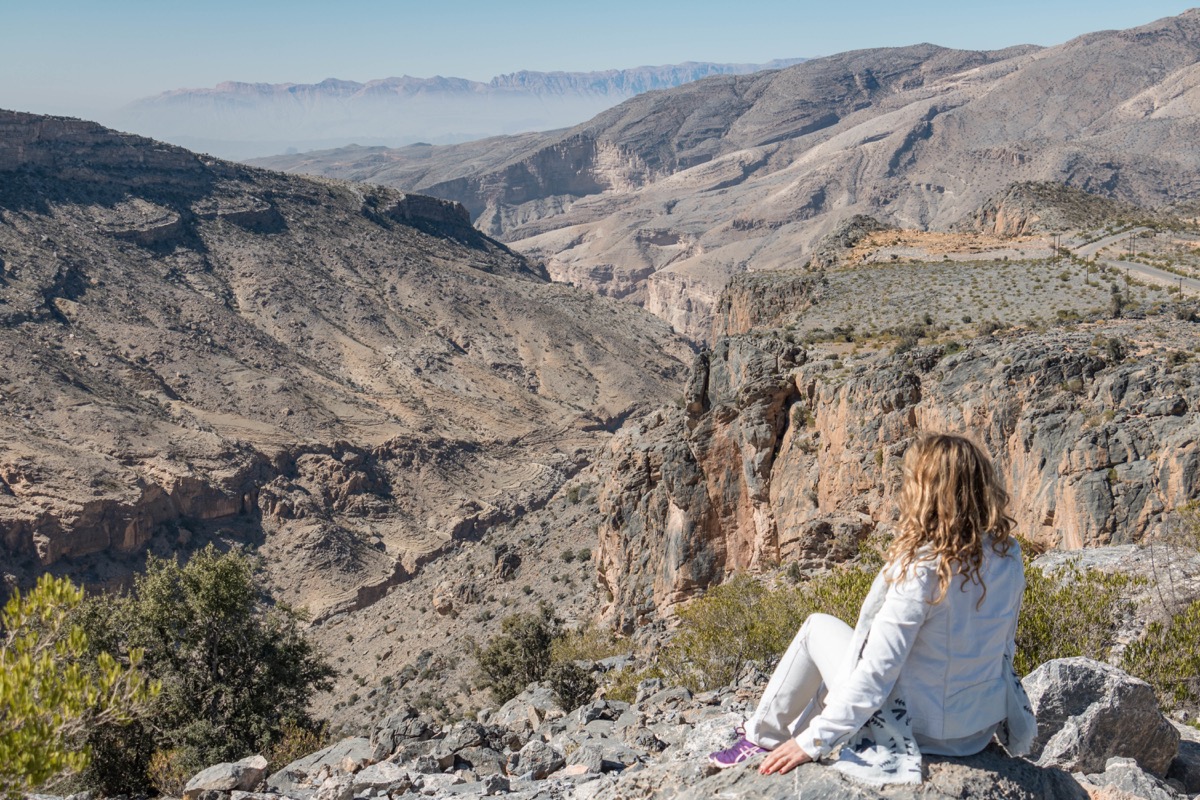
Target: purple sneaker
741, 750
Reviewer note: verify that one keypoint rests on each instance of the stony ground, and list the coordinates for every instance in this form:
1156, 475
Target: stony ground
1100, 735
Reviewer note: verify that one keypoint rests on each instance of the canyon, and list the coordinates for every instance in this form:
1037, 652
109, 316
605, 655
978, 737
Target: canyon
349, 379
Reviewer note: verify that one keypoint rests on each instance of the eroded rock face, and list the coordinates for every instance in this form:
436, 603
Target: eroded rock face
778, 457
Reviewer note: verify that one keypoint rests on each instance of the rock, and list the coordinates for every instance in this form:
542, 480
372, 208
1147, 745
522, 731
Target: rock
443, 599
527, 711
482, 760
1186, 767
506, 561
384, 775
1089, 712
401, 726
439, 784
298, 773
590, 757
336, 787
463, 734
539, 759
1126, 775
990, 775
494, 784
242, 775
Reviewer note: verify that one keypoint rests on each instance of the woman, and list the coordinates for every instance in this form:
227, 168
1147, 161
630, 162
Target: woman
935, 636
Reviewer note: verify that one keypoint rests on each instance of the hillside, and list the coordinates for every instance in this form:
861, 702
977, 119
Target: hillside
351, 380
662, 198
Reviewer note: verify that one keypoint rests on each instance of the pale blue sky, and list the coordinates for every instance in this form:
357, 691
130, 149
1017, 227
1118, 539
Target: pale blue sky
81, 56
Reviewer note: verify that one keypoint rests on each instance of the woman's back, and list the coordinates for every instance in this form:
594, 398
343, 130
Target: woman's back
954, 679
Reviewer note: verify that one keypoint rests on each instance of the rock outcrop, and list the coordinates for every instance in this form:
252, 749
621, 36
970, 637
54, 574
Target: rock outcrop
776, 456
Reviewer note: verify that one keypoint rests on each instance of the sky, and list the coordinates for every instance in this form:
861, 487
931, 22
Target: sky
84, 56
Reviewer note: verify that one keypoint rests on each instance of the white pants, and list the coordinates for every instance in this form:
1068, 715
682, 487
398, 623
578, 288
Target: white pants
809, 665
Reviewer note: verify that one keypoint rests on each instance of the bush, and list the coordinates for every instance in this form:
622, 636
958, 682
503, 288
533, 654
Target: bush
572, 684
53, 688
742, 621
588, 643
234, 671
520, 654
1071, 612
295, 741
1168, 658
168, 772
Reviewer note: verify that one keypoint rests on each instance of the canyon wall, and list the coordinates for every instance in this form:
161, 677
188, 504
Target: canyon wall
779, 456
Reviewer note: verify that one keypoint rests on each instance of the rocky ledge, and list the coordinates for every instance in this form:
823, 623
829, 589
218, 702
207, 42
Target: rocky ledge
1101, 735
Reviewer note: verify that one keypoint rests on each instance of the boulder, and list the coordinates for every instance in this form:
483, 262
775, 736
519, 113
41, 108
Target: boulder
1186, 767
386, 775
539, 759
463, 734
1089, 712
590, 757
482, 760
443, 599
300, 772
527, 711
336, 787
401, 726
494, 784
990, 775
241, 775
1124, 774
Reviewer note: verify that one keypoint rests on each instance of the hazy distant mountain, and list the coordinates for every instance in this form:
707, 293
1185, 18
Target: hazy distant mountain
662, 198
244, 120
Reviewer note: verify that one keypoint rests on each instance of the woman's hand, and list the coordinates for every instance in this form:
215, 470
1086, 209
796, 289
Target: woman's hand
784, 759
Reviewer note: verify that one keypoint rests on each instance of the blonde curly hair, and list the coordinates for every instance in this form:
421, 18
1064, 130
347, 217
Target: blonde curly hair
951, 503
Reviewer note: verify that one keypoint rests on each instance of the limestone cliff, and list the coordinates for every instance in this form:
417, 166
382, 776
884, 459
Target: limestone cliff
780, 456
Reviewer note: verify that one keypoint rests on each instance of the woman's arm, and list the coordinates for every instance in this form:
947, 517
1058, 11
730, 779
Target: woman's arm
851, 702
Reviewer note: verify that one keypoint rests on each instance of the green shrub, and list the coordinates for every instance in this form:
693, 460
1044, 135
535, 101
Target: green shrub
520, 654
742, 621
589, 643
1071, 612
572, 684
54, 687
234, 670
1168, 658
623, 684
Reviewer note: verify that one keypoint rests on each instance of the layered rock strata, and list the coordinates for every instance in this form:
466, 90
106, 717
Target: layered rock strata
776, 455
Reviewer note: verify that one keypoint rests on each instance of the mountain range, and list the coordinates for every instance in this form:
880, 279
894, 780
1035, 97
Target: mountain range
242, 120
664, 197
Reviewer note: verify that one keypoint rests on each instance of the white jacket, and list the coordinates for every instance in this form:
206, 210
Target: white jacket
945, 659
